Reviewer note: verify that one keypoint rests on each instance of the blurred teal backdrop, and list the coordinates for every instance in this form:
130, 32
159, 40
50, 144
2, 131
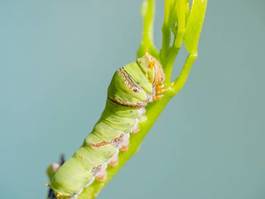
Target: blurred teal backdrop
56, 60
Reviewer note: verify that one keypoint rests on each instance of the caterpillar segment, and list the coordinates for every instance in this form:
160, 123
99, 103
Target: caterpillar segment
51, 170
132, 87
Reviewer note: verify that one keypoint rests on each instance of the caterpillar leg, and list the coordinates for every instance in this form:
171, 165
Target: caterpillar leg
125, 142
160, 90
114, 160
135, 128
101, 174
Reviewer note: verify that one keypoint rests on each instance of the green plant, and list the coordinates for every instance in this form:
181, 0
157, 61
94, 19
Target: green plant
181, 27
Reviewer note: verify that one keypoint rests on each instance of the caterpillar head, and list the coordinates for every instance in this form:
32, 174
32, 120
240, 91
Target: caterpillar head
154, 72
152, 69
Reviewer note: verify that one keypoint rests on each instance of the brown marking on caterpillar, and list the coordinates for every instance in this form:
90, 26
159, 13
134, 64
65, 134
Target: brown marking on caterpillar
128, 80
100, 144
132, 86
128, 104
121, 142
116, 142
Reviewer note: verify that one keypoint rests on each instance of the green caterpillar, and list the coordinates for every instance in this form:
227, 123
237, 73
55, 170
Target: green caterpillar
132, 87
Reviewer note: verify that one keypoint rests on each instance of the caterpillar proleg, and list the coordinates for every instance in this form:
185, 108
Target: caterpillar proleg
132, 87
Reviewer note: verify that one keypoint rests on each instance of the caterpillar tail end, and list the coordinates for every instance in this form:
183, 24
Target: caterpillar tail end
51, 170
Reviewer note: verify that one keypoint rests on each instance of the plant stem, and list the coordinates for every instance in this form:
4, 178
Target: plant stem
147, 43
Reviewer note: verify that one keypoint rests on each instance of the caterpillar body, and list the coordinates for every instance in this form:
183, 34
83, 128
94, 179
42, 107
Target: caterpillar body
132, 87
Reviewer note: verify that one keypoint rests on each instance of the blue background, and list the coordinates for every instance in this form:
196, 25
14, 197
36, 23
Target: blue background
56, 60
